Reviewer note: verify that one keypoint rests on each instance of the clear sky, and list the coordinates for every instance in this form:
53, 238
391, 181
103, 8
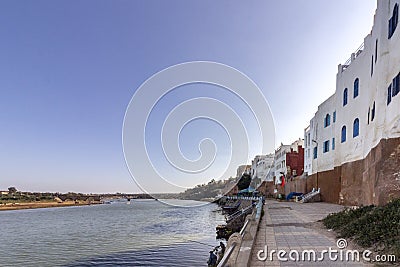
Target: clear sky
68, 70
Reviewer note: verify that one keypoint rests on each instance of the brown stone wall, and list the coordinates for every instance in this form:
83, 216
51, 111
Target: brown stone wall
296, 184
373, 180
330, 184
384, 164
311, 183
301, 185
328, 181
266, 188
353, 184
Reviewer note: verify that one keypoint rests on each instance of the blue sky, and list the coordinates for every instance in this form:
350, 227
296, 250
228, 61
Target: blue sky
68, 70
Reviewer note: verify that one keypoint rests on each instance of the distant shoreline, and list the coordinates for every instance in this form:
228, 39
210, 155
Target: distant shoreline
40, 205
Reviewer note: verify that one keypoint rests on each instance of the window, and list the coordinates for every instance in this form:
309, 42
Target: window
396, 85
309, 139
334, 116
356, 83
345, 97
327, 120
333, 143
372, 65
356, 127
315, 152
373, 112
389, 94
326, 146
393, 21
343, 137
369, 113
376, 50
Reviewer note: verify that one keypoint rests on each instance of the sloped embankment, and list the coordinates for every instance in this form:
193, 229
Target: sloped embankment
370, 226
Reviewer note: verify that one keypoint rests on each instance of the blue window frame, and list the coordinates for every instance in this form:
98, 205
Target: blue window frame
373, 112
326, 146
345, 97
389, 94
396, 85
393, 21
334, 116
327, 120
343, 136
315, 152
333, 143
369, 114
372, 65
356, 85
356, 127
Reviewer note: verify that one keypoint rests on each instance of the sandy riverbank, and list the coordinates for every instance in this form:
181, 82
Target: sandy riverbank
38, 205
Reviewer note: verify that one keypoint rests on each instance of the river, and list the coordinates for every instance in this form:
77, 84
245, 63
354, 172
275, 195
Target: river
144, 233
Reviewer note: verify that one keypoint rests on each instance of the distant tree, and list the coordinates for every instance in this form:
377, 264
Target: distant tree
244, 181
12, 190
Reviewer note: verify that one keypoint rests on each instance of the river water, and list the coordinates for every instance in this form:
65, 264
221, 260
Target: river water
144, 233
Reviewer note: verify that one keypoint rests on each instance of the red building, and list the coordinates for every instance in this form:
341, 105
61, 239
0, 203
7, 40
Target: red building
295, 162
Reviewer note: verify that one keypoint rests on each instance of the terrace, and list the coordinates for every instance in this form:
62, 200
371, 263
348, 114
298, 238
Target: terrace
343, 67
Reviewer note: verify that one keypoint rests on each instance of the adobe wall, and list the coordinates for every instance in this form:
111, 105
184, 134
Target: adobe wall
266, 188
373, 180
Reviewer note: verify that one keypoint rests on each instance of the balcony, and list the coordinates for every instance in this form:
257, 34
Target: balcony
354, 55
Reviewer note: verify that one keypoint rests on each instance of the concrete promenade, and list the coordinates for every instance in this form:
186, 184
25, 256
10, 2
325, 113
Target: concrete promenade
288, 226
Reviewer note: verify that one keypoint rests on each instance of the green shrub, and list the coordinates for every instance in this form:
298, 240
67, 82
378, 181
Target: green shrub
338, 220
369, 226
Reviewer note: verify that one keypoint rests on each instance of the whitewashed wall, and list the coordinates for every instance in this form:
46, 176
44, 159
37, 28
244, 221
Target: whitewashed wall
372, 89
262, 166
308, 150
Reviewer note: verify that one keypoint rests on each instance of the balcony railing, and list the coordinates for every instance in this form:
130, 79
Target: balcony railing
354, 55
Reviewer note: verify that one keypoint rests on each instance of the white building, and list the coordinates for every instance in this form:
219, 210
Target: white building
363, 112
321, 139
308, 140
360, 113
280, 168
280, 162
243, 169
262, 167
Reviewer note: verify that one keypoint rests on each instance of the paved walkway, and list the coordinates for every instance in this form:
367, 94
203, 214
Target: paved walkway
283, 227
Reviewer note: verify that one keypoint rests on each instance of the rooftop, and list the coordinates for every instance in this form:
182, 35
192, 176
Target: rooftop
353, 56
